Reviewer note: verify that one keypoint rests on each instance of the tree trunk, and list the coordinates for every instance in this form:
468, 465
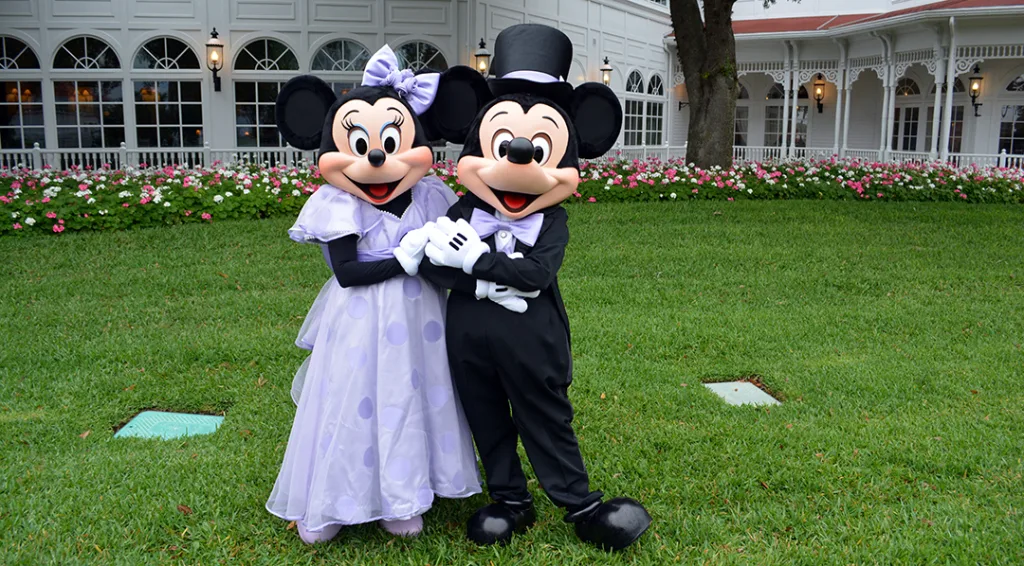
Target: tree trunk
707, 54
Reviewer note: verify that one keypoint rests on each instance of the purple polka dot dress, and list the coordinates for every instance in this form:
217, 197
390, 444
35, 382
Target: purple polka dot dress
379, 431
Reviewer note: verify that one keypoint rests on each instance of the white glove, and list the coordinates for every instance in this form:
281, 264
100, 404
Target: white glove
509, 297
411, 249
455, 244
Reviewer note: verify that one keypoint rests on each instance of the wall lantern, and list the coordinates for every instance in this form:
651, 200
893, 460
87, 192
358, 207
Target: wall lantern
976, 89
483, 57
819, 92
606, 72
215, 57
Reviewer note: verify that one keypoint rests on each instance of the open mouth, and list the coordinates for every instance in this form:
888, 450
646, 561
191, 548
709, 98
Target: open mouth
378, 192
514, 202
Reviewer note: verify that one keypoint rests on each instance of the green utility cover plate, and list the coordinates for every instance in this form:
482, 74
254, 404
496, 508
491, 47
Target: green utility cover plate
158, 424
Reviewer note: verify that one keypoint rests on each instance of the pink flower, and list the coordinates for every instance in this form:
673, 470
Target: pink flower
188, 213
45, 199
963, 196
17, 226
17, 185
459, 194
51, 215
60, 221
591, 199
205, 216
57, 228
82, 186
880, 195
125, 205
731, 199
694, 191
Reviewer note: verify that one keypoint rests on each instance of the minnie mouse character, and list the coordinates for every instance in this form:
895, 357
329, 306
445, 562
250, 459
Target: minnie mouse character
520, 161
378, 431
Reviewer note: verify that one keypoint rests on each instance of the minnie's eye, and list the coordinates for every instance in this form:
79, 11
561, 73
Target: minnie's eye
541, 149
499, 145
391, 139
358, 141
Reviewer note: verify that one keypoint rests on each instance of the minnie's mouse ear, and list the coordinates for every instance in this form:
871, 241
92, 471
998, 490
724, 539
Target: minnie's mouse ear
597, 114
461, 93
301, 108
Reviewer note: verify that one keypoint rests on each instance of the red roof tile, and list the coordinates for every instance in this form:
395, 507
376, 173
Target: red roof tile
947, 5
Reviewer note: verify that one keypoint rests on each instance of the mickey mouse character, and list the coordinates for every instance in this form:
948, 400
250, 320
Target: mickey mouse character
505, 241
378, 431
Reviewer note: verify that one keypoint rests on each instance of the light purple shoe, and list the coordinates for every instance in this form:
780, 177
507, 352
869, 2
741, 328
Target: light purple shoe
324, 535
404, 528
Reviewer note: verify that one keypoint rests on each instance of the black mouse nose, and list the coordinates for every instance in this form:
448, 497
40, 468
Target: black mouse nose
520, 151
377, 157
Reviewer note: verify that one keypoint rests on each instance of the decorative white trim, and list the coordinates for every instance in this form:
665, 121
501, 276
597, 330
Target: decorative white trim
965, 65
982, 52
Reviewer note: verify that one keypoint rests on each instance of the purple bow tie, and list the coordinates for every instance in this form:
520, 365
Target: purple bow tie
525, 229
418, 90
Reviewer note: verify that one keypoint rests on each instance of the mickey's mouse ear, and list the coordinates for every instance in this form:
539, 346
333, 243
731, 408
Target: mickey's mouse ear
461, 93
301, 108
597, 114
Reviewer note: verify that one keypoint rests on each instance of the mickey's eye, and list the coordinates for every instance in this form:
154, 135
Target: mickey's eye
541, 148
391, 139
358, 141
499, 145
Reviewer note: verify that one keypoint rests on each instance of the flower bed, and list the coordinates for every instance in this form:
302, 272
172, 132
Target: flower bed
53, 202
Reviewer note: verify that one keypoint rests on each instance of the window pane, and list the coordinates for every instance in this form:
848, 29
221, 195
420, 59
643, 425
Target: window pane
67, 137
169, 115
113, 114
193, 137
192, 114
64, 91
191, 91
268, 137
89, 114
245, 114
266, 114
91, 137
34, 136
145, 114
170, 137
66, 115
146, 136
245, 137
266, 92
10, 138
245, 92
113, 137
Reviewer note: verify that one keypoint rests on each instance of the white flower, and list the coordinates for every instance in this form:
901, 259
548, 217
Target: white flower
14, 215
30, 221
218, 199
245, 191
91, 201
229, 194
124, 194
672, 195
296, 193
166, 204
750, 191
102, 212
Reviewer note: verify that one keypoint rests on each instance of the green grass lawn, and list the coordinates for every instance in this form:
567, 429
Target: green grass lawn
893, 332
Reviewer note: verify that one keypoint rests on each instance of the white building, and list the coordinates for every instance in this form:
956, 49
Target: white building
101, 81
109, 81
881, 69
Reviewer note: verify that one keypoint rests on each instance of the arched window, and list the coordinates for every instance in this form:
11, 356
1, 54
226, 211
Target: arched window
958, 87
1011, 125
777, 92
15, 55
342, 61
165, 53
907, 87
266, 55
168, 113
656, 86
85, 53
635, 83
21, 111
741, 125
90, 112
255, 124
417, 55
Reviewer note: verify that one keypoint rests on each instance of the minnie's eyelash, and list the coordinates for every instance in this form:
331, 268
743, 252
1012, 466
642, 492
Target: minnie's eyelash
398, 120
347, 124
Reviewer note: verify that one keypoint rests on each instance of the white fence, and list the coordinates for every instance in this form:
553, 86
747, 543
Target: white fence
39, 158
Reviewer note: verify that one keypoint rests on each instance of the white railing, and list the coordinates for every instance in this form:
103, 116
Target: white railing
39, 158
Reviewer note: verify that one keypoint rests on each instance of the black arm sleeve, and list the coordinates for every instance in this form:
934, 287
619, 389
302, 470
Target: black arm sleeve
538, 269
353, 273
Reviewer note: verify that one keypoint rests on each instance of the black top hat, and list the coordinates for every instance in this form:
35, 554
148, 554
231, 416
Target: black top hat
532, 59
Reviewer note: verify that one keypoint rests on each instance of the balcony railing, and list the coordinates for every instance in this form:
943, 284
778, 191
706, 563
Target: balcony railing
39, 158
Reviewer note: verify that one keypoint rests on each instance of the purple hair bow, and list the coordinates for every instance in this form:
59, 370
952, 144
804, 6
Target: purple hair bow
417, 90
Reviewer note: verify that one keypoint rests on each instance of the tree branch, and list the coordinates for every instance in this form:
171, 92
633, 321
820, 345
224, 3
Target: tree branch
691, 45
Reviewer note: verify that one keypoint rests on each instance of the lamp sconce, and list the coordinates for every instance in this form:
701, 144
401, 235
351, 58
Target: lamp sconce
976, 90
215, 57
606, 72
483, 57
819, 92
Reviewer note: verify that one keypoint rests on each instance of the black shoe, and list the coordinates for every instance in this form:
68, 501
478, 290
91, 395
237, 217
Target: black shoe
615, 524
495, 523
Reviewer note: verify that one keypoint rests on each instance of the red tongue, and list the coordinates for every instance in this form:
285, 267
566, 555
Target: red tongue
378, 191
514, 201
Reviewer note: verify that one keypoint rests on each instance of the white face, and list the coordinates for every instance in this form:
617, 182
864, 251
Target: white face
359, 129
520, 189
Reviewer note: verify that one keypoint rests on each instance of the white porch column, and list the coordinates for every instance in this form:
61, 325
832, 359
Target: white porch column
947, 111
891, 121
796, 98
785, 101
847, 85
940, 77
840, 87
884, 126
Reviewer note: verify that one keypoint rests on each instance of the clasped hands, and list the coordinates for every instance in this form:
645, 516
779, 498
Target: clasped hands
456, 244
